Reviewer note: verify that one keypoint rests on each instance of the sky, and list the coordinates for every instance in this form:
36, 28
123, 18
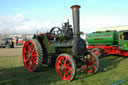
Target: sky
27, 16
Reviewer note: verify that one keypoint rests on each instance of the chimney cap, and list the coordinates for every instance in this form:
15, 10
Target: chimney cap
75, 6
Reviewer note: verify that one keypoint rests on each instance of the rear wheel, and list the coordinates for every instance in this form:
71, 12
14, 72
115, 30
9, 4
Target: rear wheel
32, 55
65, 67
91, 64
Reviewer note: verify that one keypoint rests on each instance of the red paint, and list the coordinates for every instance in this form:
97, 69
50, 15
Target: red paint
64, 67
110, 50
96, 52
29, 56
91, 66
43, 34
21, 42
50, 35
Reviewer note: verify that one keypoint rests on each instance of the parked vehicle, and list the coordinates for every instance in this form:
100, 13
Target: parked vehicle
6, 42
21, 41
108, 42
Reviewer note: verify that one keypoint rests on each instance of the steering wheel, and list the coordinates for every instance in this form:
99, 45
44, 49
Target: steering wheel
55, 30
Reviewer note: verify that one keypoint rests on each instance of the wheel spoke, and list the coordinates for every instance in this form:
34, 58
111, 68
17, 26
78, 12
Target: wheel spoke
70, 71
33, 60
26, 60
30, 64
93, 62
90, 70
65, 61
85, 68
92, 59
94, 67
32, 45
60, 64
62, 71
68, 67
33, 51
68, 63
34, 55
26, 51
66, 74
33, 64
28, 47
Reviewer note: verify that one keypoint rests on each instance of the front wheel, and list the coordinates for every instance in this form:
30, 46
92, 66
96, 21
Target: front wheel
65, 67
91, 63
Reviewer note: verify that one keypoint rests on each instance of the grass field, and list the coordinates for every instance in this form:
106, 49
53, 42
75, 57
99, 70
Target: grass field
12, 72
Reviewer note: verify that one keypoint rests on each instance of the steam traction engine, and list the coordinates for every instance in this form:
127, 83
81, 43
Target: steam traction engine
63, 47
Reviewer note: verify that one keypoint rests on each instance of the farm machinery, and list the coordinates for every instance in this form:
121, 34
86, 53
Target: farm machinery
62, 47
108, 42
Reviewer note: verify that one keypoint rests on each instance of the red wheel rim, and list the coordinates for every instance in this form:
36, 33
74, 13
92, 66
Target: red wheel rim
91, 66
96, 52
64, 67
29, 56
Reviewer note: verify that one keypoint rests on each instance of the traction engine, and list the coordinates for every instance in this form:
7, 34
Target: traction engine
62, 47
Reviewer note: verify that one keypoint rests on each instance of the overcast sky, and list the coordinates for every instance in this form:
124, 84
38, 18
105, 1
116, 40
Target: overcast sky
26, 16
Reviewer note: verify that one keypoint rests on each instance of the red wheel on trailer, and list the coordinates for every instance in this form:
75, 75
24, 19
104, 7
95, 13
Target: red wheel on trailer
65, 67
32, 55
92, 63
97, 51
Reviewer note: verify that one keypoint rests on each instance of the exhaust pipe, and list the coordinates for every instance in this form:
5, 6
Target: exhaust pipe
76, 22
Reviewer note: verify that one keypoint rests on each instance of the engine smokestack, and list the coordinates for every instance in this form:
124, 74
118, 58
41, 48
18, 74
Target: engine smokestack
76, 21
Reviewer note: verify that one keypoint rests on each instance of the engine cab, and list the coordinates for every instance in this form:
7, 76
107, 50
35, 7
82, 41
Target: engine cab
123, 40
60, 34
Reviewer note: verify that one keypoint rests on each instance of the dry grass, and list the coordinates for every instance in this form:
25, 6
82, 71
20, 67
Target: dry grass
17, 51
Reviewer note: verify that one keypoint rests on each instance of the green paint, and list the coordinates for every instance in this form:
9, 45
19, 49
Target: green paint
111, 38
123, 44
53, 46
104, 38
119, 39
47, 44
